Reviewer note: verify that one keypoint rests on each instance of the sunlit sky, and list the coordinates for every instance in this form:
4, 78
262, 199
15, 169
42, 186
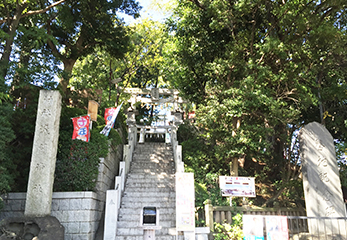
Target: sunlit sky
152, 9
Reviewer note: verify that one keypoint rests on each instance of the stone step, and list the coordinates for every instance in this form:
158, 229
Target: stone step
149, 194
149, 189
150, 184
147, 146
138, 231
156, 163
129, 224
150, 179
152, 152
135, 217
145, 198
162, 175
142, 191
152, 155
146, 151
166, 237
151, 171
159, 205
151, 168
137, 211
161, 151
160, 162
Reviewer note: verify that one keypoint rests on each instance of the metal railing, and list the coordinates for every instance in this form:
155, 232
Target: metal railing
223, 214
309, 228
317, 228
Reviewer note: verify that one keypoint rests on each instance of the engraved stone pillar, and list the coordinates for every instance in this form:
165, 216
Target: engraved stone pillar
42, 167
321, 180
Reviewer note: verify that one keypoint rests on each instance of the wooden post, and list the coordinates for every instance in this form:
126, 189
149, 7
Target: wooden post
209, 215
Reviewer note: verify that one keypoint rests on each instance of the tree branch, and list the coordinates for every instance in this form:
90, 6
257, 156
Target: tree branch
33, 12
43, 10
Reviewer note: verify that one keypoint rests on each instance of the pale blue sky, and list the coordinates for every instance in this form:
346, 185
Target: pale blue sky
150, 9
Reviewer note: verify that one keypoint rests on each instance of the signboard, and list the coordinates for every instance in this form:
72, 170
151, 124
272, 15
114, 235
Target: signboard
276, 228
185, 202
93, 110
237, 186
253, 227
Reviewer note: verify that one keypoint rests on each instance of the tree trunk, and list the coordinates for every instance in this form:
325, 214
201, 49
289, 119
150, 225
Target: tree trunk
5, 58
65, 79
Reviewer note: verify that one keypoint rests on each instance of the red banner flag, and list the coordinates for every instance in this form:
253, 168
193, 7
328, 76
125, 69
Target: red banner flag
81, 128
110, 119
109, 114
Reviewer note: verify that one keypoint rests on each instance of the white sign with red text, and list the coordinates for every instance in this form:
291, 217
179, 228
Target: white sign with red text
237, 186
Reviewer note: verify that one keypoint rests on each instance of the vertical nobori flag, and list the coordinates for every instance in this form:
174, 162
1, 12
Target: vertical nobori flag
110, 123
81, 128
109, 114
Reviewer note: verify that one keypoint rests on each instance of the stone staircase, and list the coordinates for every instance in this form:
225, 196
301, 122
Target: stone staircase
150, 183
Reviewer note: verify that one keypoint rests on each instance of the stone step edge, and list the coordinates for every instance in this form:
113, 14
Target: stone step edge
171, 232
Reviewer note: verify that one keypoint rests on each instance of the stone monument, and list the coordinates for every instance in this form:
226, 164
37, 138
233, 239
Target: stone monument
42, 167
322, 186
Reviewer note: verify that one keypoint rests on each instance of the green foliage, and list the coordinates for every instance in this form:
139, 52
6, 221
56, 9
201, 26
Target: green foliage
257, 75
342, 163
78, 161
197, 156
24, 41
80, 29
6, 136
227, 231
23, 125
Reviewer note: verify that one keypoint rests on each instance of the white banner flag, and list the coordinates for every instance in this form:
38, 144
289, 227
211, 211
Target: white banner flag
110, 123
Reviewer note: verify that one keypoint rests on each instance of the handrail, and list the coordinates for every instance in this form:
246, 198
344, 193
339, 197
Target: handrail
221, 214
149, 127
113, 197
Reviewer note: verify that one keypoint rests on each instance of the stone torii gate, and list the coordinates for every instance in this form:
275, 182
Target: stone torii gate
153, 96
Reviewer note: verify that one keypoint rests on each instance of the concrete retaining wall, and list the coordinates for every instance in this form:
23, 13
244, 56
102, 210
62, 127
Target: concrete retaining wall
79, 212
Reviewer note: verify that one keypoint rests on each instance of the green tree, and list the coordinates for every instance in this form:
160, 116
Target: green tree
256, 70
6, 136
12, 12
139, 67
78, 27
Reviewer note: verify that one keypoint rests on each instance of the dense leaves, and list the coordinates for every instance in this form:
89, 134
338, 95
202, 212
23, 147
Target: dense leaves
36, 38
78, 27
78, 161
259, 71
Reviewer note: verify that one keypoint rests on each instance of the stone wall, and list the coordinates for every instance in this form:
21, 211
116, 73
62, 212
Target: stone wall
79, 212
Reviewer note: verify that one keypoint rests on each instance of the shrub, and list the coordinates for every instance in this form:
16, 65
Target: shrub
78, 161
227, 231
7, 168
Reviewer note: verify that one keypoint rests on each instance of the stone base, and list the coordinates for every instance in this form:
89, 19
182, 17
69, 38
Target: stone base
31, 228
308, 236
